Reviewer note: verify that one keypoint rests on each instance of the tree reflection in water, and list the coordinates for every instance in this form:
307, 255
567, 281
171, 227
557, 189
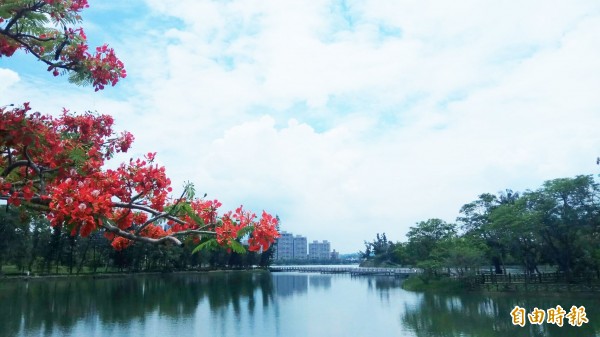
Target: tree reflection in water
476, 315
49, 305
384, 285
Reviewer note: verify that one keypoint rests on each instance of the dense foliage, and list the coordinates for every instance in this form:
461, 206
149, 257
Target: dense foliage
556, 225
32, 245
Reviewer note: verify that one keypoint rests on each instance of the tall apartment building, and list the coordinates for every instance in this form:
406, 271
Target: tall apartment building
290, 247
285, 246
319, 250
300, 250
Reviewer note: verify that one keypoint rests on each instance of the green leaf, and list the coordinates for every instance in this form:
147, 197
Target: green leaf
237, 247
245, 231
187, 209
78, 156
8, 8
189, 190
210, 245
81, 78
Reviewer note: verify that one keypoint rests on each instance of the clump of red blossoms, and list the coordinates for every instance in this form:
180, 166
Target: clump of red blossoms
56, 166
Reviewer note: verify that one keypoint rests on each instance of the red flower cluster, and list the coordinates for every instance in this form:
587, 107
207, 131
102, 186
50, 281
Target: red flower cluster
120, 243
7, 47
64, 50
231, 224
57, 164
205, 210
264, 234
79, 203
105, 67
70, 5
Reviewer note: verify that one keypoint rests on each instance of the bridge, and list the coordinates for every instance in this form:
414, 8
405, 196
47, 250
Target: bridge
397, 272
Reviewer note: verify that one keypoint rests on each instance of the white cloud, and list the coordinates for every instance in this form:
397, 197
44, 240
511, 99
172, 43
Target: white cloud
348, 121
7, 79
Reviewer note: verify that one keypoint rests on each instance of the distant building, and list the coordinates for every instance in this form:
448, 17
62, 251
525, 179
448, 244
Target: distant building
300, 248
290, 248
319, 250
335, 255
285, 246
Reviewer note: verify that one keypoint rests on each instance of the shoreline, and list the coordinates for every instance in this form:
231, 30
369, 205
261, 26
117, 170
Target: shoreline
121, 274
450, 286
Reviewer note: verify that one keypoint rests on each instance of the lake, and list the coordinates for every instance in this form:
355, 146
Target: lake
264, 304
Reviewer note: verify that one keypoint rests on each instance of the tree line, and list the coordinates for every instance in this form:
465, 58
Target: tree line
30, 244
556, 225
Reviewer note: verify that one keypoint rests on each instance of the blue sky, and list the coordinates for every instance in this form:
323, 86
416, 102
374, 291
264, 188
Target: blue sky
346, 118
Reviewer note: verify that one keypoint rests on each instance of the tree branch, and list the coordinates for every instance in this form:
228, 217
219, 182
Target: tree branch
119, 232
20, 14
148, 209
20, 163
131, 236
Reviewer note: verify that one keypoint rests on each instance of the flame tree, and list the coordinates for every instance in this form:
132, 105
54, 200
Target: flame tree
56, 165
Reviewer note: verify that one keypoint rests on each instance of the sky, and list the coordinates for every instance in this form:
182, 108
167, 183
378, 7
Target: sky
345, 118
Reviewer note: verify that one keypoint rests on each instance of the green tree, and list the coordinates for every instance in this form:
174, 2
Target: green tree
424, 245
13, 231
519, 226
569, 216
423, 238
476, 223
381, 250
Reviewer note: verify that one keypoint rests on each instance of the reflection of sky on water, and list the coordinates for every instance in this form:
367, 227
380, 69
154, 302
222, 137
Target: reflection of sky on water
320, 281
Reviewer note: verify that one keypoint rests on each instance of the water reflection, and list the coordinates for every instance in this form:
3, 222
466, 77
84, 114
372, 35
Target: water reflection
481, 316
385, 286
320, 281
57, 305
263, 304
286, 285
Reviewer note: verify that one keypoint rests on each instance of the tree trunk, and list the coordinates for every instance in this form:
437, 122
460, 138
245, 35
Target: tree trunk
87, 246
497, 265
72, 243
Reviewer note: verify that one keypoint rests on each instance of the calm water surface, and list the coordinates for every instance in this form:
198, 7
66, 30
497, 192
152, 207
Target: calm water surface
263, 304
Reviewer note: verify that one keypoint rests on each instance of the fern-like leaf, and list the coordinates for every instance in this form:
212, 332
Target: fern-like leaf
209, 245
237, 247
245, 231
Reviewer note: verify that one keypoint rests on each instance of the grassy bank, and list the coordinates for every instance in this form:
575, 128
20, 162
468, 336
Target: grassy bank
442, 284
449, 285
